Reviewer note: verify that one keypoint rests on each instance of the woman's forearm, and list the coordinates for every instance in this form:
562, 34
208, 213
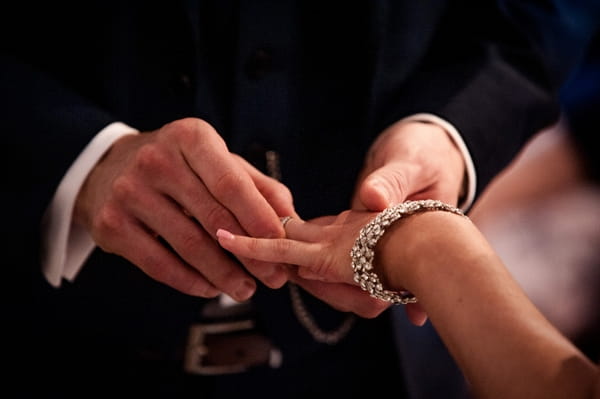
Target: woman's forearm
505, 347
503, 344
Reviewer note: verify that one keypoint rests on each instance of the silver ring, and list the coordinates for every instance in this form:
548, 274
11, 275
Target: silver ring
284, 220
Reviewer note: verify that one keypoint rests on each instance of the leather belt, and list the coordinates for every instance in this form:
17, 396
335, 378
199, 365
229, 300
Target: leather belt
227, 342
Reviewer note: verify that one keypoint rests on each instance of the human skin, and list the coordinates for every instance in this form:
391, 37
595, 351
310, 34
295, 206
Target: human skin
500, 340
181, 183
408, 161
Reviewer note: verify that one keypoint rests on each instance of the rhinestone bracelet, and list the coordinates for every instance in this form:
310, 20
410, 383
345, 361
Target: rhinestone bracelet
362, 253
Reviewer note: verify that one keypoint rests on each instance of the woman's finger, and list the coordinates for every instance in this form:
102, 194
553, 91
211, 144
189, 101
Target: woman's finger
277, 250
298, 229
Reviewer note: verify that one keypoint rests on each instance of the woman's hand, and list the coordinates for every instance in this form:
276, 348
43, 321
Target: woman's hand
321, 252
320, 249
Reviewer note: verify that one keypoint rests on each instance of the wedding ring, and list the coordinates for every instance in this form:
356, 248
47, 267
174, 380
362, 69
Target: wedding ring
284, 220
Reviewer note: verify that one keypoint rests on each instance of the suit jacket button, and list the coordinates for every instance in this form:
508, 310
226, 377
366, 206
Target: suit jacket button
259, 64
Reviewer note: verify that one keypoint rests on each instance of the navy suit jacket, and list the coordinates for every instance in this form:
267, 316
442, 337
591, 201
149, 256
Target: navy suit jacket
315, 81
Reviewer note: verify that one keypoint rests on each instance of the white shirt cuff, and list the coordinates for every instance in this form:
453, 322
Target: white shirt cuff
66, 245
471, 179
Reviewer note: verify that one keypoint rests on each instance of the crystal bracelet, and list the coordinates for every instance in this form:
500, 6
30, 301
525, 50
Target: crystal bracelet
362, 253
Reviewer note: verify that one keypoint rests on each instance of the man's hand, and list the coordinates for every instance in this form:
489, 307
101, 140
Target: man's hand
410, 161
158, 198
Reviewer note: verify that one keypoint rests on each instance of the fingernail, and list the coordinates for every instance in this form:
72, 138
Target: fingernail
245, 290
224, 234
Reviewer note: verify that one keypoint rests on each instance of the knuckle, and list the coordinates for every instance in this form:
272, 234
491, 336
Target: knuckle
123, 188
228, 184
184, 129
151, 158
252, 246
215, 216
191, 131
107, 221
325, 265
189, 243
280, 247
284, 193
189, 125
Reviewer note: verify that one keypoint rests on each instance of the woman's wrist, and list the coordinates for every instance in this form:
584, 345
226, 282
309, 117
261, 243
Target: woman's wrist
363, 251
411, 247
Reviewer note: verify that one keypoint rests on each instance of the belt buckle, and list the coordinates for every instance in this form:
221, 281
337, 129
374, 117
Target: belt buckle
227, 348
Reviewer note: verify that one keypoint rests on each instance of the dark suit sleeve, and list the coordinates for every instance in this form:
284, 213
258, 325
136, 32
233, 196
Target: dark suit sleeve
493, 70
69, 69
45, 127
43, 123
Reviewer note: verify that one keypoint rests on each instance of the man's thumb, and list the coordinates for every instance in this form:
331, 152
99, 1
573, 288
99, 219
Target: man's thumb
381, 189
